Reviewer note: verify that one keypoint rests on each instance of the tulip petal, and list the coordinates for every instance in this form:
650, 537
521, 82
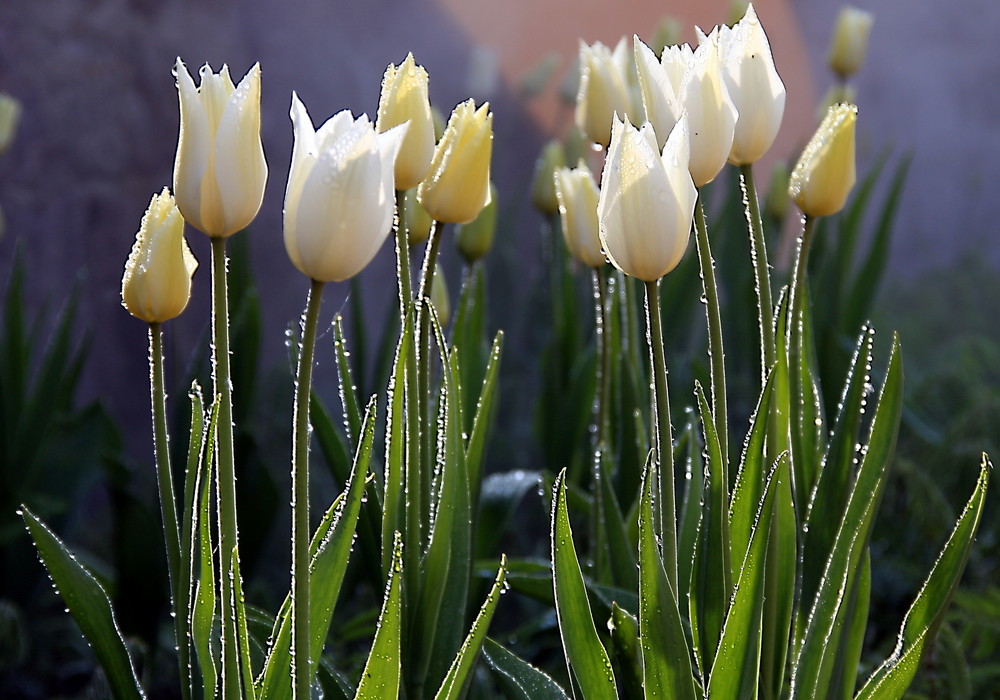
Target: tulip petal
194, 143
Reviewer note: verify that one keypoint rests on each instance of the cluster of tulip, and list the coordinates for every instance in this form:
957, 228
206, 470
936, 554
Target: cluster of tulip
345, 181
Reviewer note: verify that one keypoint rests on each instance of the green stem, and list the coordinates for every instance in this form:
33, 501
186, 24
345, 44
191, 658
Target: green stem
716, 354
402, 259
663, 433
168, 503
602, 427
758, 256
424, 358
302, 672
228, 533
799, 277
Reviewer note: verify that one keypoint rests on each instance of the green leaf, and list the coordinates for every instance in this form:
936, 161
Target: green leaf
893, 677
348, 390
829, 497
711, 577
393, 500
625, 644
484, 411
203, 612
446, 566
193, 475
381, 676
460, 672
331, 443
736, 667
501, 494
330, 549
586, 658
468, 335
811, 669
89, 605
855, 615
519, 679
690, 515
666, 657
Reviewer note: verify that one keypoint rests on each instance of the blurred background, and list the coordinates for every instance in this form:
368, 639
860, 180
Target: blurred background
97, 137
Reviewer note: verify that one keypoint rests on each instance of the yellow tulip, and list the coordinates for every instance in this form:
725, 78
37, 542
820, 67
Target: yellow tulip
824, 175
458, 185
850, 41
578, 199
157, 282
404, 99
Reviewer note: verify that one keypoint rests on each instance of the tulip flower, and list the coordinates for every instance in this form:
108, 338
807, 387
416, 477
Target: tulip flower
157, 281
711, 112
824, 175
475, 238
754, 87
543, 192
578, 198
404, 99
659, 85
340, 198
10, 115
220, 171
603, 91
647, 200
458, 185
850, 41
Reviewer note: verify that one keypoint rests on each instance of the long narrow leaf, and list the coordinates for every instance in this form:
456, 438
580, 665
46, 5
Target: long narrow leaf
896, 673
519, 679
348, 390
586, 658
393, 500
460, 673
89, 605
381, 676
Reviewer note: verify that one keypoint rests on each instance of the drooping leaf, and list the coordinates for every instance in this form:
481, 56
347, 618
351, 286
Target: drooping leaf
89, 605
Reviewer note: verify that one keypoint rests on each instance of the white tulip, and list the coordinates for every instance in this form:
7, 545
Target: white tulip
711, 112
220, 171
754, 86
578, 198
647, 200
603, 91
340, 198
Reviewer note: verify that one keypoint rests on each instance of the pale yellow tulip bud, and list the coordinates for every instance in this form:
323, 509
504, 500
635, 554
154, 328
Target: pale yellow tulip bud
458, 185
10, 115
439, 295
578, 199
220, 171
776, 204
157, 281
404, 99
543, 189
647, 200
340, 199
850, 41
414, 219
475, 238
754, 86
824, 175
603, 92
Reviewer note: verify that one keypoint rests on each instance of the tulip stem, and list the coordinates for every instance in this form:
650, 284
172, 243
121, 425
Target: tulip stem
663, 432
301, 652
758, 256
602, 443
799, 281
402, 259
716, 354
423, 326
226, 462
168, 504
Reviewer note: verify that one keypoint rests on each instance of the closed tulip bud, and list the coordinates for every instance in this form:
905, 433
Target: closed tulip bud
475, 238
543, 188
603, 92
754, 87
220, 171
667, 33
825, 173
458, 185
404, 99
647, 200
10, 115
439, 295
414, 219
157, 281
578, 200
850, 41
339, 203
776, 204
711, 112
